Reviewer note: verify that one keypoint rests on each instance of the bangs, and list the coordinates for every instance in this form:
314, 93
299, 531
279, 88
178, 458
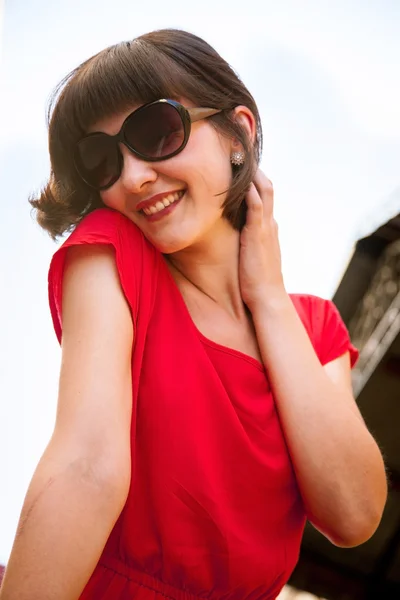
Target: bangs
124, 75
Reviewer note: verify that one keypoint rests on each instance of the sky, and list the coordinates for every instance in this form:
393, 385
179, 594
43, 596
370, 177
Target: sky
326, 79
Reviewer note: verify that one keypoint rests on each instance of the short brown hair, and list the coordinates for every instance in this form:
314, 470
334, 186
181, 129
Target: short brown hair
168, 63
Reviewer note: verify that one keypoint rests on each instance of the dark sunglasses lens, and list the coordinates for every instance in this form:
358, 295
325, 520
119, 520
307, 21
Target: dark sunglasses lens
156, 131
97, 160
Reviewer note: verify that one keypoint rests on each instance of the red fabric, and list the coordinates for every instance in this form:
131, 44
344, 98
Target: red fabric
213, 509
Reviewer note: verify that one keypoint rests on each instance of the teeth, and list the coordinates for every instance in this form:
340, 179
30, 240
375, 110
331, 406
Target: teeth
161, 204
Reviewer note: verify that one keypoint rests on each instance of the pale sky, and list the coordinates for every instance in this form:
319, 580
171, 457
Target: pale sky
326, 79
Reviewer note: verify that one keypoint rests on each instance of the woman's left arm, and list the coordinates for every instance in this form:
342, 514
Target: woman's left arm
338, 465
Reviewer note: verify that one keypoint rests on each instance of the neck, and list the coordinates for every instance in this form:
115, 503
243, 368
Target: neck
212, 266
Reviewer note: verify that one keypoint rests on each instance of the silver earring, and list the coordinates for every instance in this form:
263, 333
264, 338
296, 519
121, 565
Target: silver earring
237, 158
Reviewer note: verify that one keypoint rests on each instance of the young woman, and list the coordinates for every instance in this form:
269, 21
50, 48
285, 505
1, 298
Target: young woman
204, 413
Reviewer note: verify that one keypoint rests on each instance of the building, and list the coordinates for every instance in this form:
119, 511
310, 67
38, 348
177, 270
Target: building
368, 298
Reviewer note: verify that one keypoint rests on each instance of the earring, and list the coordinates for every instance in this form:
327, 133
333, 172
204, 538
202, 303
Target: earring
237, 158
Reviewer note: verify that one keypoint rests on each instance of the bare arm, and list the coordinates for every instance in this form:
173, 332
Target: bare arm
338, 464
81, 482
339, 467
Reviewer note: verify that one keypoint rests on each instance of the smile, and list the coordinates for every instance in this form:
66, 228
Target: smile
163, 203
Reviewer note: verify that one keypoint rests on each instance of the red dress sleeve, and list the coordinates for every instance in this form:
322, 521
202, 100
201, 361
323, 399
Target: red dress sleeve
133, 255
330, 336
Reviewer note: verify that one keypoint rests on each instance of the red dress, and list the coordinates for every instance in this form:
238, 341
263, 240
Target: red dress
213, 509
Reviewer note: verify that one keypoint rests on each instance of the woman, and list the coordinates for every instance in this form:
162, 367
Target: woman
204, 414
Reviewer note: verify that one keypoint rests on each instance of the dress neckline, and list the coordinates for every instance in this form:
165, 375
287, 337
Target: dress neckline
205, 340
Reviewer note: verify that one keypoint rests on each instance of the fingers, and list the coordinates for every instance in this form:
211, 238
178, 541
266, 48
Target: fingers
260, 199
266, 191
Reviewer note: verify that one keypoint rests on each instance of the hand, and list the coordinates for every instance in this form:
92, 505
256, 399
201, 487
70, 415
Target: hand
260, 268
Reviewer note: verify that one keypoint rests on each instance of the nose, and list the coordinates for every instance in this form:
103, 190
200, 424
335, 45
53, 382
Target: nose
136, 173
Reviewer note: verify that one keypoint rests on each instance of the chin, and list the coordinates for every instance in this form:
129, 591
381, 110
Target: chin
167, 246
172, 248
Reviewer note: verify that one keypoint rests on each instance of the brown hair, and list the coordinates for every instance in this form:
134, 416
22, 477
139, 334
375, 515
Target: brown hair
168, 63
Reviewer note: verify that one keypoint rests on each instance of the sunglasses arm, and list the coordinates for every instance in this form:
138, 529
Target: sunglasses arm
196, 114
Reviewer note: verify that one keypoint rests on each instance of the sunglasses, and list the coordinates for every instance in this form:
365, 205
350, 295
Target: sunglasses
155, 131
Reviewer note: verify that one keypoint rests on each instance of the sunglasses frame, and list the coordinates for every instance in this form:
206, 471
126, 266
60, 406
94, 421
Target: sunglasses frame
187, 115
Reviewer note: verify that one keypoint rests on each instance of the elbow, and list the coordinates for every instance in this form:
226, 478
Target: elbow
105, 472
116, 476
354, 521
118, 485
111, 478
361, 527
352, 533
351, 530
353, 537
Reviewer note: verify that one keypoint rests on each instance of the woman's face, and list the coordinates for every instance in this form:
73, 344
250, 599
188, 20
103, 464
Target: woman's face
193, 180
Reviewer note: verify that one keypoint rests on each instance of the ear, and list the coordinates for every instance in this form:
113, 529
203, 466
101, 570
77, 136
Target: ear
246, 119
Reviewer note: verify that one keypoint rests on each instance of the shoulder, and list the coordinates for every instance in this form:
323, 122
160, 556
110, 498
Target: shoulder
325, 327
93, 302
312, 308
103, 225
136, 260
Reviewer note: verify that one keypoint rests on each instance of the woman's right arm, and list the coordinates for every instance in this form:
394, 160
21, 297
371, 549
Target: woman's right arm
82, 480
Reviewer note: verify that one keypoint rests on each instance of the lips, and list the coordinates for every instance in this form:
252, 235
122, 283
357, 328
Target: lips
165, 199
162, 204
157, 213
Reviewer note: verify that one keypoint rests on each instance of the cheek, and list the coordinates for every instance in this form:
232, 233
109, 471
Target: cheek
208, 150
217, 175
110, 198
216, 166
210, 168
